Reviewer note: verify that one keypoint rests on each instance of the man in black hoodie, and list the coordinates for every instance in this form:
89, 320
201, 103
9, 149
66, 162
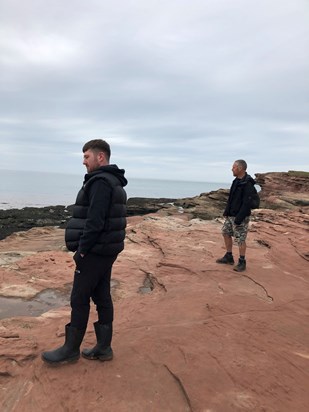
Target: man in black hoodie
237, 212
96, 234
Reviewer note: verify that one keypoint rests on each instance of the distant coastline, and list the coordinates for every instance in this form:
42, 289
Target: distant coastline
32, 189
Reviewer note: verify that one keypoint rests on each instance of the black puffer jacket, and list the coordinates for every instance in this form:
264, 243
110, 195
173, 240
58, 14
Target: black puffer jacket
99, 214
239, 201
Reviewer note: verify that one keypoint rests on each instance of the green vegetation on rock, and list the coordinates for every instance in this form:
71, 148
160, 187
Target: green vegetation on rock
297, 173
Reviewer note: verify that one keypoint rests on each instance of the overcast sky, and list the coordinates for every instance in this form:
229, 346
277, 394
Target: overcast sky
179, 88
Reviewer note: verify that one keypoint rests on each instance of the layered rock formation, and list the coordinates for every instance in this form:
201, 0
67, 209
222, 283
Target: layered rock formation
288, 190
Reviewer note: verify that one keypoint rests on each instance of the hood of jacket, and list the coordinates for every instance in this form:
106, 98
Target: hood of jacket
112, 169
247, 178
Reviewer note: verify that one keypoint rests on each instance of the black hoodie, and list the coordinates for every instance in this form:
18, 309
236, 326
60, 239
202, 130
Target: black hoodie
99, 215
239, 201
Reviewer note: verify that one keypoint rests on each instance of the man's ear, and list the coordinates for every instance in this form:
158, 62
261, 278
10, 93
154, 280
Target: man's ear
102, 157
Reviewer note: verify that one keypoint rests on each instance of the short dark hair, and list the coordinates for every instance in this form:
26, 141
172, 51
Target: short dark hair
98, 145
242, 164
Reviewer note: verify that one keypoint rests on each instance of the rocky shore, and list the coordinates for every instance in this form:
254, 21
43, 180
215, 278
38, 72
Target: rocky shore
280, 191
190, 335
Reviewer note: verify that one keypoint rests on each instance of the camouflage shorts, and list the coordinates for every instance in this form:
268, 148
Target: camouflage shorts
238, 231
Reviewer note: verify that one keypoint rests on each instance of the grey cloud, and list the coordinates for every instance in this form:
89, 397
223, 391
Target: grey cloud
167, 82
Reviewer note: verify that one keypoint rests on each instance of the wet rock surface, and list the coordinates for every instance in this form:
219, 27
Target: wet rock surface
15, 220
190, 335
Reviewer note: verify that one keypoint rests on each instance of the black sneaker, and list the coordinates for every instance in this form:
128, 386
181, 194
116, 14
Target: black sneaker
226, 259
241, 266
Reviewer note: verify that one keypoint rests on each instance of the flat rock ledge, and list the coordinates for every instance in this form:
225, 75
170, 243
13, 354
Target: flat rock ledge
190, 335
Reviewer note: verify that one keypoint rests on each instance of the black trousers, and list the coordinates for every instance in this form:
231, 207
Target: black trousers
92, 278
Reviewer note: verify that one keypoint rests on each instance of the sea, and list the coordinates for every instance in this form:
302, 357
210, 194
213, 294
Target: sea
19, 189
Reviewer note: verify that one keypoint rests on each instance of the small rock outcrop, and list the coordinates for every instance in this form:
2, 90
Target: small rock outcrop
140, 206
205, 206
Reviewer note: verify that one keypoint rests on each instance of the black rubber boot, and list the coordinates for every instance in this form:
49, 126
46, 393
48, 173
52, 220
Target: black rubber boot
69, 352
102, 350
241, 266
226, 259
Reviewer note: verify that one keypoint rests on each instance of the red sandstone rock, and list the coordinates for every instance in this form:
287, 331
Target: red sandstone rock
288, 190
205, 338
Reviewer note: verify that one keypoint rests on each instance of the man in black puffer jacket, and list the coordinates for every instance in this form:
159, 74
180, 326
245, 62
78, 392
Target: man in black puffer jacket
237, 212
96, 234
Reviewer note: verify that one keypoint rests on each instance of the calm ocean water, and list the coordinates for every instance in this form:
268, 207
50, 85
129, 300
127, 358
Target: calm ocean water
21, 189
